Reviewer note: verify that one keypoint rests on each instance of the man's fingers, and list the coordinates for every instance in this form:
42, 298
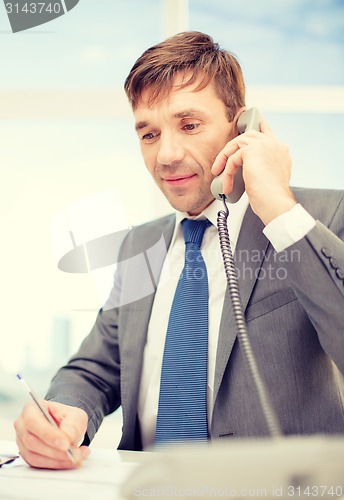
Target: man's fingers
38, 454
74, 426
36, 424
52, 459
29, 443
42, 444
238, 143
222, 158
32, 443
72, 423
233, 149
231, 167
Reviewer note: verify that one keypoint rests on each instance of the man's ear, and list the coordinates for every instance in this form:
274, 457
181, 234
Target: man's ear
235, 120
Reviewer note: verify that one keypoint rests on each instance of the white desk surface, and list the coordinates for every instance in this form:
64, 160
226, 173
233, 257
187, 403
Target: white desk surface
299, 467
99, 477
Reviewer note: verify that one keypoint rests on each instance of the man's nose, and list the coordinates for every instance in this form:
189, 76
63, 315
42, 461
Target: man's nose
170, 150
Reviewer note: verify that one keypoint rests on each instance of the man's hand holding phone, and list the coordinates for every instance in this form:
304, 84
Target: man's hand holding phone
266, 169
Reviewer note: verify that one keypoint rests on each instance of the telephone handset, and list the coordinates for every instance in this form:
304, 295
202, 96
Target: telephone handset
248, 120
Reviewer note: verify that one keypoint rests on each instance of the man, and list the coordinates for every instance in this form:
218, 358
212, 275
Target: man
187, 94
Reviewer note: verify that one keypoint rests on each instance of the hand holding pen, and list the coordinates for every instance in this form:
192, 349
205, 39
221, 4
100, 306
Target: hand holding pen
46, 432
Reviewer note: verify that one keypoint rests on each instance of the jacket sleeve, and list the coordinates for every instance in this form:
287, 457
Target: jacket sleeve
315, 266
91, 379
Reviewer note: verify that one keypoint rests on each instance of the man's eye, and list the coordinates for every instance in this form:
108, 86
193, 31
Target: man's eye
191, 126
150, 136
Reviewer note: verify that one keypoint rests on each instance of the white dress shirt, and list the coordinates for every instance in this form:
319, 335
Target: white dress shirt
173, 265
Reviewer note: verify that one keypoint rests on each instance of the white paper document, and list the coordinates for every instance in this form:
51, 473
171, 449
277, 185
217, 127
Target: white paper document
98, 478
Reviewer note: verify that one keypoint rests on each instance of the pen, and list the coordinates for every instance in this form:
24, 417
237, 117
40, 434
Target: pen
46, 414
7, 459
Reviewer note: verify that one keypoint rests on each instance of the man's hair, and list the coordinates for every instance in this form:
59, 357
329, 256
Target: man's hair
194, 55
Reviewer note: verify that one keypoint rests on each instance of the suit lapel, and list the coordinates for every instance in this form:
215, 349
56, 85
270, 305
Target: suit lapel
249, 255
137, 317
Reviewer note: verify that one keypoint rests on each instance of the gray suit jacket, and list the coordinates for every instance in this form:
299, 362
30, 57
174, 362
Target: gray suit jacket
294, 308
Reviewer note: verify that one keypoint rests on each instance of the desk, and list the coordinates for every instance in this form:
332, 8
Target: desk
290, 468
99, 477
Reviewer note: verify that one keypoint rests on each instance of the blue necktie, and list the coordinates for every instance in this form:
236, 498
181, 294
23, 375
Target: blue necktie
182, 411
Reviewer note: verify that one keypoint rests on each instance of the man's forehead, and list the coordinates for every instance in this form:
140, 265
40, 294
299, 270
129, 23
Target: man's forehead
150, 100
152, 95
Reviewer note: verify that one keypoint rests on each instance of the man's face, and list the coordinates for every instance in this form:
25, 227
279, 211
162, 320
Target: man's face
180, 137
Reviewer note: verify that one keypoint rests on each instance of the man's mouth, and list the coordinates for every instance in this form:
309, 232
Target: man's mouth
178, 180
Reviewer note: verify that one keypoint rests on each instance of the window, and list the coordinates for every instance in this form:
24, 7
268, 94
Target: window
67, 136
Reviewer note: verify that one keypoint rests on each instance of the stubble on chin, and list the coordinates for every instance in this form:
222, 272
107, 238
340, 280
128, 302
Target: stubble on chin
191, 204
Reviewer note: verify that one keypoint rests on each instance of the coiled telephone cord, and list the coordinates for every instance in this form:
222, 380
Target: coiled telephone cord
233, 288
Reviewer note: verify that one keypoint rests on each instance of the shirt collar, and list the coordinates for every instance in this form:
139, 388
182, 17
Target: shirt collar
236, 215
